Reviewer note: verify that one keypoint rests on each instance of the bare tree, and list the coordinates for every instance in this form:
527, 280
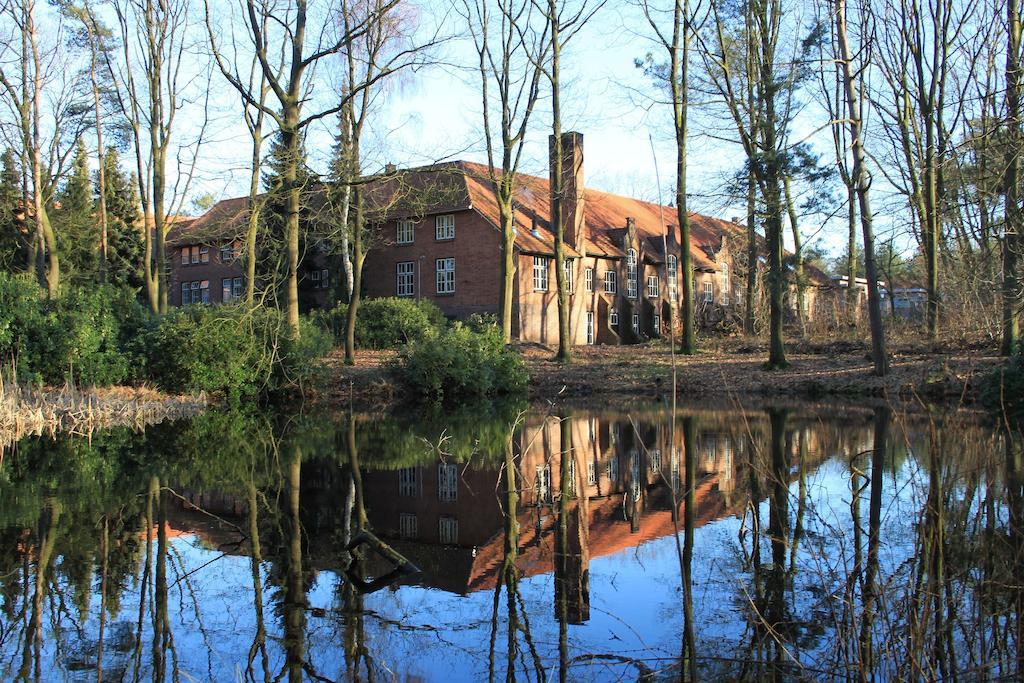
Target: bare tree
761, 128
291, 85
510, 51
564, 22
850, 73
150, 88
676, 75
920, 45
1013, 232
25, 94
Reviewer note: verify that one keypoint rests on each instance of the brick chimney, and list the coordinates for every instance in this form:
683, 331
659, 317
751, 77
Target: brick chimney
573, 190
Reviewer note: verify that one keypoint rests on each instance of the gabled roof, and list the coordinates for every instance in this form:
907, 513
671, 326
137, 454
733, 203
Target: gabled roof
462, 186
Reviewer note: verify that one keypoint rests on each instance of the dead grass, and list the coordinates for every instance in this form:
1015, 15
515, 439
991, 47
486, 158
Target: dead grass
26, 412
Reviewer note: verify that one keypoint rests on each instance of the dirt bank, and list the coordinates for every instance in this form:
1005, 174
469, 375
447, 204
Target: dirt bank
734, 368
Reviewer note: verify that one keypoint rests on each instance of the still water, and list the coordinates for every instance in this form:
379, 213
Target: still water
819, 543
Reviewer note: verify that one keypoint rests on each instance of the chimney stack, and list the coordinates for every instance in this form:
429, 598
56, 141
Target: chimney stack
574, 226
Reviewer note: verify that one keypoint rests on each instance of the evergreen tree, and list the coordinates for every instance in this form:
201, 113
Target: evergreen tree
272, 266
77, 228
125, 248
13, 231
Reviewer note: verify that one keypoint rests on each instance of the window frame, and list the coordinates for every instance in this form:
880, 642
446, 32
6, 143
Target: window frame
611, 281
709, 292
588, 280
653, 286
411, 275
541, 275
441, 269
446, 223
673, 275
613, 318
636, 323
204, 254
405, 232
569, 272
632, 274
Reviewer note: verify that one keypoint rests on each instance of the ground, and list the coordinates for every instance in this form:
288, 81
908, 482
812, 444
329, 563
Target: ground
725, 369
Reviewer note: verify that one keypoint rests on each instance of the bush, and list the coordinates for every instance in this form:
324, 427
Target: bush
459, 364
1003, 392
385, 323
80, 336
229, 350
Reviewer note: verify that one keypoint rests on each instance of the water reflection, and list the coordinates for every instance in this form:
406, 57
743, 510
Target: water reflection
751, 545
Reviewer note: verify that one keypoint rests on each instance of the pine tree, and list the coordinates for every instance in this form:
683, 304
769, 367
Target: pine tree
77, 229
125, 248
13, 231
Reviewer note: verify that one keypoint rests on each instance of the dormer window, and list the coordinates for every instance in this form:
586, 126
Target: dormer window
444, 227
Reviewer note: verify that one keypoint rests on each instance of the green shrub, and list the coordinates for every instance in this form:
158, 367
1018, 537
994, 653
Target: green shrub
459, 364
481, 322
1003, 392
385, 323
230, 350
80, 336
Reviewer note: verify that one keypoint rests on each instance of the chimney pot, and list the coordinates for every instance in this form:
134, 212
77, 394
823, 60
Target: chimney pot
390, 169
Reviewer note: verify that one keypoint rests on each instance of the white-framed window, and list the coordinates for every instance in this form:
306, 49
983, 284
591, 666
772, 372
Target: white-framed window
195, 292
315, 277
236, 285
195, 255
204, 254
726, 284
185, 251
444, 227
654, 456
588, 279
325, 278
540, 274
567, 264
445, 275
673, 275
405, 282
590, 327
447, 482
636, 323
591, 473
448, 530
543, 484
572, 477
611, 282
226, 290
613, 318
709, 293
408, 526
406, 232
657, 324
631, 274
612, 469
653, 286
408, 482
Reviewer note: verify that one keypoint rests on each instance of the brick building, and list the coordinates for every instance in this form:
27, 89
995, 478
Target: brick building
620, 284
435, 236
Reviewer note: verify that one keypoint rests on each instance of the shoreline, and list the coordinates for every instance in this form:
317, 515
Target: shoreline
921, 377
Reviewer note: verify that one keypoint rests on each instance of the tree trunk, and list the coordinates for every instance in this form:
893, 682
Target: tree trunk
679, 64
564, 354
357, 275
749, 326
1011, 184
852, 293
508, 266
859, 176
798, 258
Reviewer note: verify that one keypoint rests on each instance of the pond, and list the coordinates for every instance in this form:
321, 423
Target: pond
796, 543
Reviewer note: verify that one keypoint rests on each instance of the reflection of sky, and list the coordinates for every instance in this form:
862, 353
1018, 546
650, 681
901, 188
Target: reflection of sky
415, 631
